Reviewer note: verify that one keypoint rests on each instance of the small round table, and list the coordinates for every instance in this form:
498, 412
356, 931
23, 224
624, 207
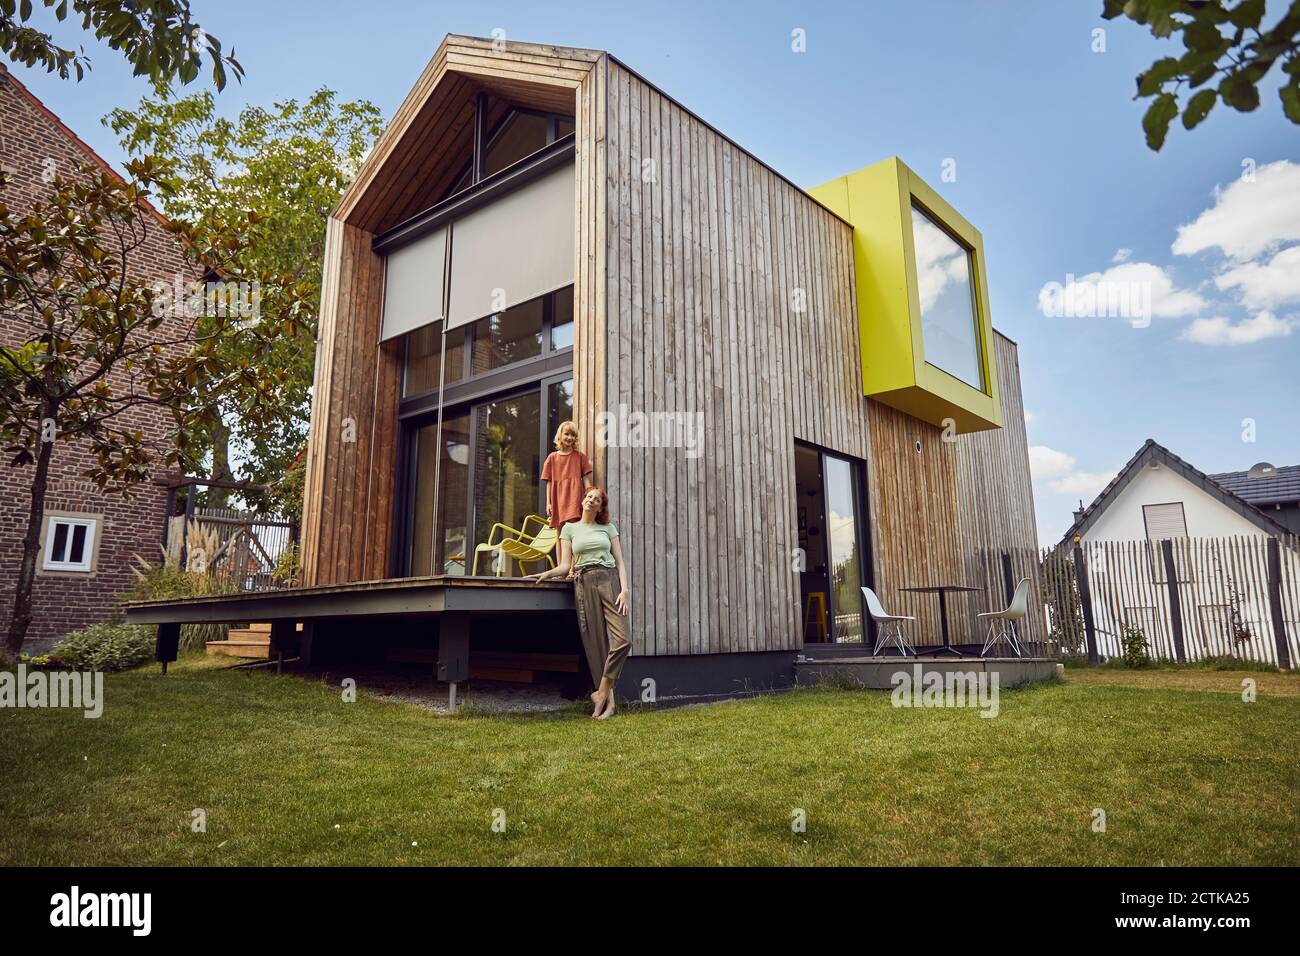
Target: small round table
941, 590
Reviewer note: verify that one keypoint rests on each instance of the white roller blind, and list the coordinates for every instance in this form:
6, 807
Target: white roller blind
1165, 521
522, 245
413, 281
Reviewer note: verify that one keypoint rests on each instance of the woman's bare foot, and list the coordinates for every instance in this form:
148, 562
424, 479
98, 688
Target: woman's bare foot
608, 712
598, 699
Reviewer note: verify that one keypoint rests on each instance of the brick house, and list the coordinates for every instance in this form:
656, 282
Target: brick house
94, 534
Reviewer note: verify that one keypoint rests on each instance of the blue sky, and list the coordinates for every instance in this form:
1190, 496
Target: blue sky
1050, 165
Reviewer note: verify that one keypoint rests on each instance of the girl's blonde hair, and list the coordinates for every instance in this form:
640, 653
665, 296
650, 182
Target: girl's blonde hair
560, 431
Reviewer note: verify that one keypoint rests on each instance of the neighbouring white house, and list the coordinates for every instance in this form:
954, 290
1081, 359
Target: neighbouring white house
1230, 541
1157, 495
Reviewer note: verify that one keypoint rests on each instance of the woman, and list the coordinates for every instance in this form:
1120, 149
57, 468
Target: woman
590, 545
567, 474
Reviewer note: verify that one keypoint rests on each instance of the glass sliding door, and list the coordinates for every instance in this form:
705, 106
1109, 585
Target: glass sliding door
832, 527
490, 472
507, 463
445, 553
844, 537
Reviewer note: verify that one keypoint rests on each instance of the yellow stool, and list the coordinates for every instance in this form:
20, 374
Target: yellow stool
819, 597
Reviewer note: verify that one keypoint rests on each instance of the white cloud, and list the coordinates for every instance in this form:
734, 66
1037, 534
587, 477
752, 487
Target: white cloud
1122, 255
940, 261
1268, 284
1123, 291
1056, 471
1045, 463
1248, 217
1223, 331
1085, 484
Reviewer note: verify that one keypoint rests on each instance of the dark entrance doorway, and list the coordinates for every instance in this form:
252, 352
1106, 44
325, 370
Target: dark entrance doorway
833, 533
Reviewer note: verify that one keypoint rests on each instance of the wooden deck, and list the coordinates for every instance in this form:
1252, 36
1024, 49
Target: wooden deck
292, 612
406, 596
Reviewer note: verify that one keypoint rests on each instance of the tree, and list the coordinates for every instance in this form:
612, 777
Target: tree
1223, 43
99, 345
158, 37
289, 164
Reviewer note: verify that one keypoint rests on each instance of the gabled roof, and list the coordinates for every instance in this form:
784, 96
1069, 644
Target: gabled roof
1152, 451
430, 129
1280, 487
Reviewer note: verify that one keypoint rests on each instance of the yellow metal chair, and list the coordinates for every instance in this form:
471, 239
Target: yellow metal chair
540, 548
508, 534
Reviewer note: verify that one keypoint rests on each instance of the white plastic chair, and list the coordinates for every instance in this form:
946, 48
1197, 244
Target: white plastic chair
1002, 624
889, 626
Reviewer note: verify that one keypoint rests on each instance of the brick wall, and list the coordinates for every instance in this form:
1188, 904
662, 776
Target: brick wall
33, 145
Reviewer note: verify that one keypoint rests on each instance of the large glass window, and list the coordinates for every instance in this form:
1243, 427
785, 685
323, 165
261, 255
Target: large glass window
508, 337
423, 352
949, 327
562, 319
490, 472
513, 336
446, 554
521, 135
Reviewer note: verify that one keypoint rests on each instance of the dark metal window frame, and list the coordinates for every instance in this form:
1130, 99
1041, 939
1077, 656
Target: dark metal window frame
404, 528
866, 566
471, 384
483, 143
511, 381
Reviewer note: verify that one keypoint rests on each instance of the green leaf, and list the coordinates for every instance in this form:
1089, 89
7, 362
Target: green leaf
1291, 102
1247, 14
1200, 35
1198, 107
1150, 82
1157, 119
1239, 92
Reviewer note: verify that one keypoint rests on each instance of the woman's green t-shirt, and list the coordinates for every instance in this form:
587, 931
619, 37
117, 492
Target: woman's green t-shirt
592, 543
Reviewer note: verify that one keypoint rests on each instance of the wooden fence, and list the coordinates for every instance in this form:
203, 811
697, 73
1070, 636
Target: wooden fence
1229, 597
242, 547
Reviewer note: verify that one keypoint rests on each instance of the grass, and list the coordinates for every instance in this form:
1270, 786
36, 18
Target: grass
289, 774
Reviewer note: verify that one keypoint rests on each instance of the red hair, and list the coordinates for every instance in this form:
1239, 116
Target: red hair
602, 514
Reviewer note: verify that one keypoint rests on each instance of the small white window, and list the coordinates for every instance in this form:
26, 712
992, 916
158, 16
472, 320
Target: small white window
1165, 521
69, 544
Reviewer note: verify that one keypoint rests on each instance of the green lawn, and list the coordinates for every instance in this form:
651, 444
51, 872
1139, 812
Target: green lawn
288, 773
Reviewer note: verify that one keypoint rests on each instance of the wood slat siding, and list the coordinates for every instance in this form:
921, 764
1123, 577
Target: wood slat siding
703, 253
915, 538
995, 498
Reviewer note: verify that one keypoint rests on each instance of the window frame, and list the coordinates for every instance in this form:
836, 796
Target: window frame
88, 552
972, 285
470, 385
411, 424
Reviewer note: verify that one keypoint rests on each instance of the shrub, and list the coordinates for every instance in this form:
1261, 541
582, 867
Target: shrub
1134, 643
108, 646
1073, 658
169, 580
287, 568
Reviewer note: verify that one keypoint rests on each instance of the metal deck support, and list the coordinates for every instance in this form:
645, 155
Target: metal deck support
453, 652
166, 644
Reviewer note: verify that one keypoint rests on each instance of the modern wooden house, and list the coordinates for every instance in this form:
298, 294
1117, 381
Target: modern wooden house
788, 393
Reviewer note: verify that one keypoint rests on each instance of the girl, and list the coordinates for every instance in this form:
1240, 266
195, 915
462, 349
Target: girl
567, 474
591, 546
